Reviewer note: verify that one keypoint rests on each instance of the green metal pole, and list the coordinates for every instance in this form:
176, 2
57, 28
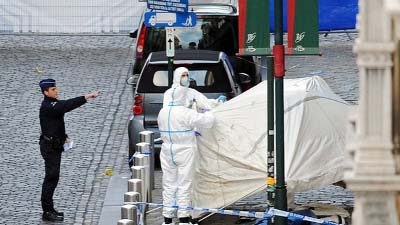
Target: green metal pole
271, 124
279, 70
271, 136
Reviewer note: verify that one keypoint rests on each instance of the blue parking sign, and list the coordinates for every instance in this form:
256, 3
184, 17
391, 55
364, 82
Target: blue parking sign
169, 19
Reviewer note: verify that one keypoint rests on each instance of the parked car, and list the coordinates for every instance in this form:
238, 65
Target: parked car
216, 29
211, 73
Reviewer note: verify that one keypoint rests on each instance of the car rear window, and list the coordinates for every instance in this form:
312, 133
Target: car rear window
206, 78
210, 33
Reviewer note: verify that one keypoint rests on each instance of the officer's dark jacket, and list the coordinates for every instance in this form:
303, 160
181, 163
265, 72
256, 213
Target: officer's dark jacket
52, 115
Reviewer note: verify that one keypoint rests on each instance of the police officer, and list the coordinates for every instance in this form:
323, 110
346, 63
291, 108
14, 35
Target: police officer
52, 139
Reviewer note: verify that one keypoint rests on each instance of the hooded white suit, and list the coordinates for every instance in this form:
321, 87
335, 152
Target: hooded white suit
192, 95
176, 123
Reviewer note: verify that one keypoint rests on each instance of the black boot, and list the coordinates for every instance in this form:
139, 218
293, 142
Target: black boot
52, 216
58, 213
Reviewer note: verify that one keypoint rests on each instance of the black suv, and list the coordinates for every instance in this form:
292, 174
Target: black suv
211, 73
216, 29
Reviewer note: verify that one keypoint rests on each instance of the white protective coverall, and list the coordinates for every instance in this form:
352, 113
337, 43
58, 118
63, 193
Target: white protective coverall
176, 123
203, 103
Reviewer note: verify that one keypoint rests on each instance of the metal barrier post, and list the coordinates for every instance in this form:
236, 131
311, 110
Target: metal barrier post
129, 212
144, 161
135, 185
139, 172
148, 137
131, 196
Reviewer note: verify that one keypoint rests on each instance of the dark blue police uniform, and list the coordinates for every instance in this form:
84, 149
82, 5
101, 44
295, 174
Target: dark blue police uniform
51, 143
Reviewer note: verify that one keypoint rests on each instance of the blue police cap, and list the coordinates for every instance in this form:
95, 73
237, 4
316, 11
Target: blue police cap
46, 83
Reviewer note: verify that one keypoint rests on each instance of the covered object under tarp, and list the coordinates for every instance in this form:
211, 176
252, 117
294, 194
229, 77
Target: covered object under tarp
232, 156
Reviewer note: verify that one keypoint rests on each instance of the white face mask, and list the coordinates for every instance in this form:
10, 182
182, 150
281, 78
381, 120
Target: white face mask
185, 81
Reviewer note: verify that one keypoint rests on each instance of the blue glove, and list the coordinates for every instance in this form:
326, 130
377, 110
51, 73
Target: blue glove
196, 133
221, 98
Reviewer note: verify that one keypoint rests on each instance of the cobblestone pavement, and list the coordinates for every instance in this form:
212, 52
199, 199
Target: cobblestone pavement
79, 64
85, 63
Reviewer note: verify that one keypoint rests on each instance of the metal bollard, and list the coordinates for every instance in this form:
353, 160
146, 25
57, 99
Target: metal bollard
148, 137
143, 147
131, 196
135, 185
144, 161
129, 212
126, 222
139, 172
141, 159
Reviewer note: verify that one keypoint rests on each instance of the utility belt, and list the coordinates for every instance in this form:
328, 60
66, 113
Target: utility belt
54, 141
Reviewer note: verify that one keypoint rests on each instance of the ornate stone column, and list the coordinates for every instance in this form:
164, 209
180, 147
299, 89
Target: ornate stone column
393, 8
373, 177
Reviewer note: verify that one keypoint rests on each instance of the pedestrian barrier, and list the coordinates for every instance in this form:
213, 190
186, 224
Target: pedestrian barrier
142, 182
139, 172
271, 212
131, 196
148, 137
143, 161
135, 185
129, 212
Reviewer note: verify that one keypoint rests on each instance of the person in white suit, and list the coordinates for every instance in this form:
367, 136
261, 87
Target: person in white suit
177, 125
181, 79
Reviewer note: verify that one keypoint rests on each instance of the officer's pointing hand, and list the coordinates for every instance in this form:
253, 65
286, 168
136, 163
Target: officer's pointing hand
92, 95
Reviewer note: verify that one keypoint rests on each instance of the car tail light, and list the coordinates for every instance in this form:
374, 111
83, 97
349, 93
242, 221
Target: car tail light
138, 99
137, 108
141, 42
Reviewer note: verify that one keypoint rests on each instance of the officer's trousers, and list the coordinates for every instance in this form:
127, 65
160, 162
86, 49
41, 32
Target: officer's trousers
52, 160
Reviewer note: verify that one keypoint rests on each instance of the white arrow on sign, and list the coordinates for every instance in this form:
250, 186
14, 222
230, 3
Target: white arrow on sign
170, 41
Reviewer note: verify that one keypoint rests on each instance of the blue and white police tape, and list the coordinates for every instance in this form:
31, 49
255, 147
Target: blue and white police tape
132, 159
252, 214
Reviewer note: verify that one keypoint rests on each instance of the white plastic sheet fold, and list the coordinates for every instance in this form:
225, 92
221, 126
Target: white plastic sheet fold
232, 156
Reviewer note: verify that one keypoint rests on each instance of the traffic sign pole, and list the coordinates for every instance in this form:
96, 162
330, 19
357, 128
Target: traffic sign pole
170, 70
170, 50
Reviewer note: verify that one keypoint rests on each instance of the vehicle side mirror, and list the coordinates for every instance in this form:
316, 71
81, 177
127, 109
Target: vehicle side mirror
132, 80
244, 78
133, 34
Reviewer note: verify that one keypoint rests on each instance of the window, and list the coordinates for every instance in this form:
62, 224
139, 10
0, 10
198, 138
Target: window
214, 79
199, 77
218, 34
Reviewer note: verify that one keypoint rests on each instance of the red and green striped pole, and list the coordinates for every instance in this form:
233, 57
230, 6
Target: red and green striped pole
279, 71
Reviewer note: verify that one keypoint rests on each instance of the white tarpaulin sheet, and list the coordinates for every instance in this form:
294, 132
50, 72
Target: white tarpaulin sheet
232, 156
